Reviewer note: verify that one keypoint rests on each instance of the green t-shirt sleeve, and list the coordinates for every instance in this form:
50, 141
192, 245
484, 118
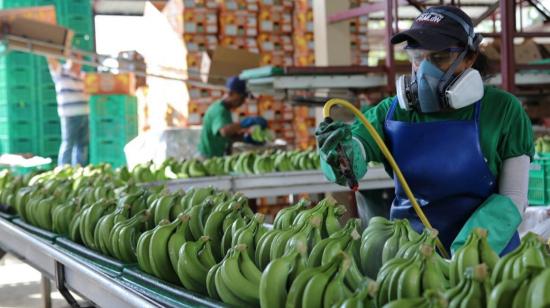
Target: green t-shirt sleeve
219, 120
517, 132
376, 116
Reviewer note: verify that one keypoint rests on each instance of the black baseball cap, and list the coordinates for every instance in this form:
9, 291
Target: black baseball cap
433, 30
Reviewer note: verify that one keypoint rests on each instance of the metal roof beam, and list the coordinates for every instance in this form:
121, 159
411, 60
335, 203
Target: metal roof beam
360, 11
541, 8
490, 10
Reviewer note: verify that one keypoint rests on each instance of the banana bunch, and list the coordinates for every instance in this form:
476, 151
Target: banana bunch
286, 216
124, 235
347, 240
364, 296
89, 217
472, 290
194, 261
104, 227
245, 163
476, 250
264, 164
283, 162
402, 278
142, 173
214, 166
310, 226
321, 286
430, 299
222, 224
235, 280
412, 248
261, 135
250, 235
63, 214
531, 253
381, 241
542, 144
520, 291
279, 275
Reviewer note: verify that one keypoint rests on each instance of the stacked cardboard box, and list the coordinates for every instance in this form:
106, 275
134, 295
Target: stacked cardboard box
304, 49
359, 42
200, 34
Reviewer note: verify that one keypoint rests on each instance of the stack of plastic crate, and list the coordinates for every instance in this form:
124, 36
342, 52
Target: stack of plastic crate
113, 123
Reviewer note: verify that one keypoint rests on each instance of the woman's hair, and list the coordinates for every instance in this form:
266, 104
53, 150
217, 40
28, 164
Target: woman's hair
481, 63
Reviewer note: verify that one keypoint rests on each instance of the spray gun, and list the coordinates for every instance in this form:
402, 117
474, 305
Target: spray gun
345, 166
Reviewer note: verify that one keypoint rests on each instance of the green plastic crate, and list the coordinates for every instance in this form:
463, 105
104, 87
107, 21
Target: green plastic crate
16, 59
123, 130
50, 127
17, 111
17, 145
47, 110
107, 151
16, 76
43, 76
536, 196
46, 92
18, 128
75, 7
17, 94
48, 146
539, 181
8, 4
83, 41
117, 106
81, 24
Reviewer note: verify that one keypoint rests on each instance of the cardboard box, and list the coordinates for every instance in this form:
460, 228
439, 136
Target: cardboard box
304, 59
359, 42
42, 32
198, 43
239, 5
223, 62
200, 4
200, 21
526, 52
359, 25
44, 14
491, 52
275, 21
288, 4
106, 83
236, 42
277, 58
269, 43
304, 42
303, 21
238, 23
194, 60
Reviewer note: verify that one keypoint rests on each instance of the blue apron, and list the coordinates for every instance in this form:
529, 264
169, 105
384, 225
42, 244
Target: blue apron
445, 169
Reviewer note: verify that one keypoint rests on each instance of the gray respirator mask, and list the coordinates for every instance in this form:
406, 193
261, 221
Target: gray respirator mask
430, 89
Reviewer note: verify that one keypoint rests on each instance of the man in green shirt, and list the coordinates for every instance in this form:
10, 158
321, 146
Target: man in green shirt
218, 129
464, 148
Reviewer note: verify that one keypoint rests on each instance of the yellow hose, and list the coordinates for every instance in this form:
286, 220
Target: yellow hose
389, 158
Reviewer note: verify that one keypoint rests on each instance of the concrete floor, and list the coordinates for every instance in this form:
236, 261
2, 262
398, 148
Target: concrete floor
20, 286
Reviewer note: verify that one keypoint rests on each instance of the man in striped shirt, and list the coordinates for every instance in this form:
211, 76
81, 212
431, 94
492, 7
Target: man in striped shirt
73, 110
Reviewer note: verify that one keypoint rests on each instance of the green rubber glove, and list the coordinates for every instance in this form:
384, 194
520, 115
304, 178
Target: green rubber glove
329, 136
499, 215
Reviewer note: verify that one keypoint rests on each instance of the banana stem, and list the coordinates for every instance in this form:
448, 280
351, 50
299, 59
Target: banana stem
389, 158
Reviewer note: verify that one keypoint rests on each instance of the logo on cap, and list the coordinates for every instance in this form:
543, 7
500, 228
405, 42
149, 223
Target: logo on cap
434, 18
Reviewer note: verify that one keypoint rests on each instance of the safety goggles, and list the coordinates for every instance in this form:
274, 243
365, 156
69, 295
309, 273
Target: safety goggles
439, 58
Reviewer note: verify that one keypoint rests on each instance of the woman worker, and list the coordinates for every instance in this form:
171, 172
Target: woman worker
463, 147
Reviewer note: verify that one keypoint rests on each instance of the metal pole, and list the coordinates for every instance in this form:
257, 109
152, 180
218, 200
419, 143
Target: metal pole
507, 63
46, 289
390, 61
